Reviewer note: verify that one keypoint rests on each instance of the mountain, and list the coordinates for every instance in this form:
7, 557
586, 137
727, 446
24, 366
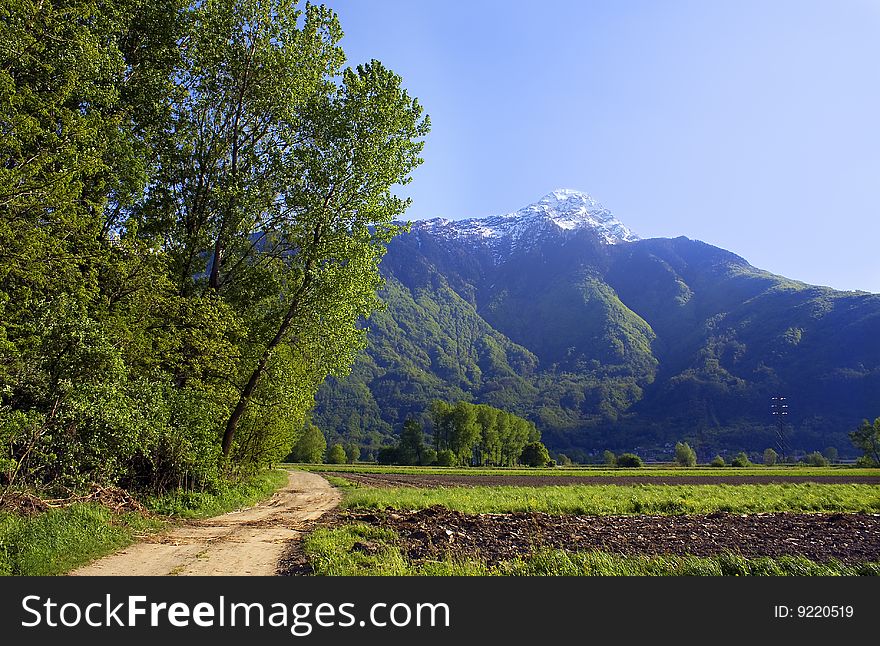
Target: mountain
561, 314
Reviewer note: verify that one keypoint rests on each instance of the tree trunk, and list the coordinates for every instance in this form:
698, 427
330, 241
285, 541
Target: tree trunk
251, 385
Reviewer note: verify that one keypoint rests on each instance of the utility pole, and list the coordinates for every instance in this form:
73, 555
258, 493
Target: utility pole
779, 411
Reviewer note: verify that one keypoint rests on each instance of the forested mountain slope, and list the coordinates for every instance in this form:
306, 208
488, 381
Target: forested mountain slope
561, 314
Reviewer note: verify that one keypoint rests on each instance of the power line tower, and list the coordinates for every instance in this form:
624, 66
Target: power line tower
779, 411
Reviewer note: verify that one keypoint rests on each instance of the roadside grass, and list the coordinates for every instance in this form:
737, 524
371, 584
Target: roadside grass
651, 470
363, 550
203, 504
341, 483
616, 500
58, 540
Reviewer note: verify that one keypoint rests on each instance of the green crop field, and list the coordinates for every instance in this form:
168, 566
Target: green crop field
637, 499
660, 470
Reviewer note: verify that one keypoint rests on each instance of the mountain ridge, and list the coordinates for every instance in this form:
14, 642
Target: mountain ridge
631, 344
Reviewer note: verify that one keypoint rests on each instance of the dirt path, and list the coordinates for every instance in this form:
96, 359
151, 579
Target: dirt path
246, 542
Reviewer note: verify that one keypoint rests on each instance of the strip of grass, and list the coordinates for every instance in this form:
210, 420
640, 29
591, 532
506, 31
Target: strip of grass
636, 499
334, 552
664, 470
59, 540
203, 504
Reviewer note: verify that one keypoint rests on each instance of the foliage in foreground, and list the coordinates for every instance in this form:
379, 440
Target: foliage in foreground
196, 197
615, 499
334, 552
59, 540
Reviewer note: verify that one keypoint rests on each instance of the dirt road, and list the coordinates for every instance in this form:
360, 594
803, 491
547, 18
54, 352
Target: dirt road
246, 542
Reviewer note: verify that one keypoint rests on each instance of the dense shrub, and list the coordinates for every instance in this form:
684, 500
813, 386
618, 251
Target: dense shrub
770, 457
816, 459
740, 460
387, 455
534, 454
717, 461
629, 460
336, 455
445, 458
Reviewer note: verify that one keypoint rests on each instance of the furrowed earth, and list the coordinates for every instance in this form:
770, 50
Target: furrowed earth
438, 533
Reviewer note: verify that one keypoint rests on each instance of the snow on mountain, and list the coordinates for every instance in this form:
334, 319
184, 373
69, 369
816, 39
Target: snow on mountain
560, 212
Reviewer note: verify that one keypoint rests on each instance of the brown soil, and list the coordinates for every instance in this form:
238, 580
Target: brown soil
436, 533
452, 480
245, 542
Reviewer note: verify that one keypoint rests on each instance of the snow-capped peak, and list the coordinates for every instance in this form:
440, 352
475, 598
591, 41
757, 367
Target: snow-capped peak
563, 211
570, 209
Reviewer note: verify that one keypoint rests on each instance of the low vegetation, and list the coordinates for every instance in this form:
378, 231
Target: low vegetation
335, 552
600, 470
640, 499
58, 540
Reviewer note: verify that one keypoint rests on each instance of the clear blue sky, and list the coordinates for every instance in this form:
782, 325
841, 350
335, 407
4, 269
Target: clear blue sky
749, 125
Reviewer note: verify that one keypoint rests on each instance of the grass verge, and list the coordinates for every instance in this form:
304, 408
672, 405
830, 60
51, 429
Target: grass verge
335, 552
203, 504
616, 500
59, 540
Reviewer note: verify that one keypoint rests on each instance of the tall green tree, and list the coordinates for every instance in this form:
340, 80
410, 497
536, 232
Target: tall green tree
275, 191
85, 90
465, 431
195, 197
411, 449
684, 455
490, 440
867, 439
311, 445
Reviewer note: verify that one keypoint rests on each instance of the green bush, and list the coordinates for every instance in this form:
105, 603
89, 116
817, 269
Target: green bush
387, 455
740, 460
336, 455
629, 460
718, 461
445, 458
816, 459
770, 457
534, 454
609, 458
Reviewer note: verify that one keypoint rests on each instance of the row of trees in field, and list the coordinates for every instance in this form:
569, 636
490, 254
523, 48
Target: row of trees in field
194, 199
468, 434
685, 456
480, 434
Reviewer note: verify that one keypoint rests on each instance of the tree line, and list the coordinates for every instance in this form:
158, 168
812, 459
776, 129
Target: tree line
194, 199
465, 434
